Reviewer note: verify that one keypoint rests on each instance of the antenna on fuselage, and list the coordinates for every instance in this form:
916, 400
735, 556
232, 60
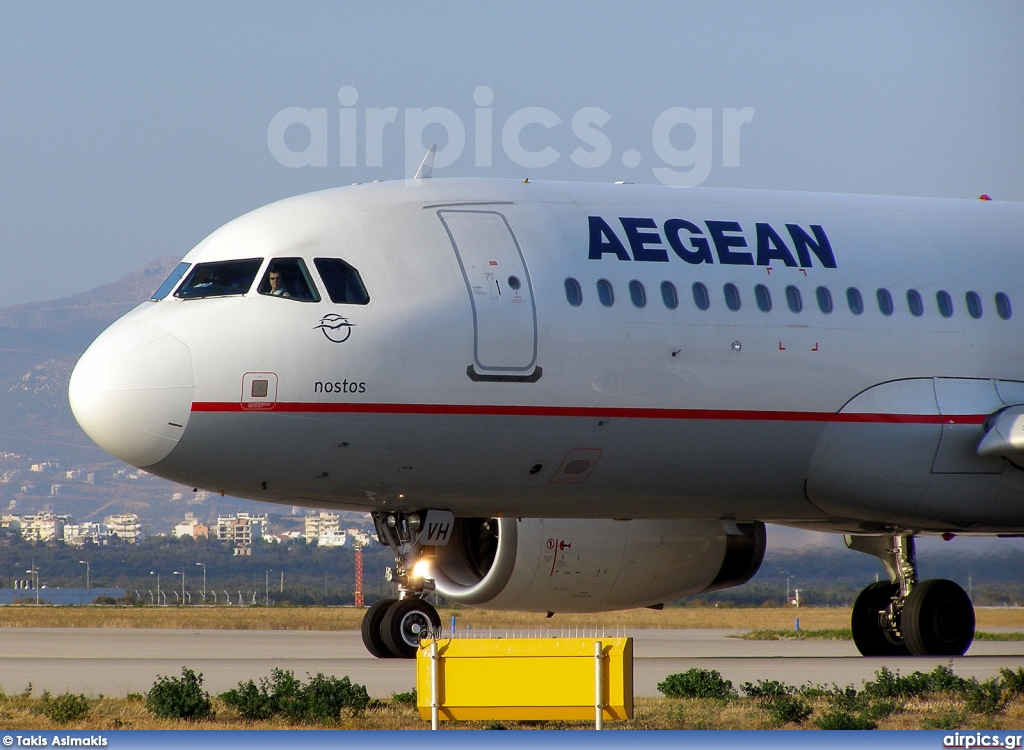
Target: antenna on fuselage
427, 165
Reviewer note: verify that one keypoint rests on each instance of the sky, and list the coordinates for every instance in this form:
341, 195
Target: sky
130, 131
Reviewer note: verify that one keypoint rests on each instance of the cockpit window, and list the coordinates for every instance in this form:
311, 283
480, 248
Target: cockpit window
343, 283
170, 281
288, 278
220, 279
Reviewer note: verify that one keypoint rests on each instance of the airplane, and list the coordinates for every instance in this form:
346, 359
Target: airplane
570, 397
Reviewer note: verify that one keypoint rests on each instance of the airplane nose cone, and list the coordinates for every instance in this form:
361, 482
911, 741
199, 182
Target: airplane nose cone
132, 391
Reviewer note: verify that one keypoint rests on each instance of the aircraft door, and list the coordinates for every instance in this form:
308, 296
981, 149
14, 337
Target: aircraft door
501, 295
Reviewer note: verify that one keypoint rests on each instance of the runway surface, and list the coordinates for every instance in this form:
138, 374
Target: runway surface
120, 661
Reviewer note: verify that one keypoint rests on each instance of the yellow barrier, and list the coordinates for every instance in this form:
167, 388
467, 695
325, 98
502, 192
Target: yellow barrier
526, 679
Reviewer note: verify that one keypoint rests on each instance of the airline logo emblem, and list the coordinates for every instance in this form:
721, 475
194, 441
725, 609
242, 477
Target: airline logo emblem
335, 327
647, 241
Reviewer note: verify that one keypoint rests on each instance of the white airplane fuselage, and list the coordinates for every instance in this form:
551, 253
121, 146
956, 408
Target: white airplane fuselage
471, 382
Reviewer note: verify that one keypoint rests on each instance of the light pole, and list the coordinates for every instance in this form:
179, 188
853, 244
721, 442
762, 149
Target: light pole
204, 581
152, 573
86, 564
182, 574
34, 572
266, 590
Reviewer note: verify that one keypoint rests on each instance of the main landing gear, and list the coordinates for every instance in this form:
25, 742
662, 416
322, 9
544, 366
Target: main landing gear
392, 628
902, 616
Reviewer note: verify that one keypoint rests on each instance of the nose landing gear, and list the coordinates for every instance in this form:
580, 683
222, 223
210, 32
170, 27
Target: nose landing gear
901, 616
392, 628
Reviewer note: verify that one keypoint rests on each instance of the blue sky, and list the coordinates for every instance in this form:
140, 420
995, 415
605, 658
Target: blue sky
130, 131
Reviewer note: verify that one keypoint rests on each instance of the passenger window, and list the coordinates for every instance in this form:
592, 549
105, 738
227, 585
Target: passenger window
885, 305
343, 283
915, 303
288, 278
701, 298
973, 305
170, 282
824, 300
573, 292
637, 294
669, 295
854, 300
793, 299
763, 298
1003, 308
605, 293
732, 297
945, 303
221, 279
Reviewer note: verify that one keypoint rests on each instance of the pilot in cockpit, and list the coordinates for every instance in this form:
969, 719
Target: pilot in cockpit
278, 287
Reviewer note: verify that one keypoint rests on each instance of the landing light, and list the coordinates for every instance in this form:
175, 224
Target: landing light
421, 569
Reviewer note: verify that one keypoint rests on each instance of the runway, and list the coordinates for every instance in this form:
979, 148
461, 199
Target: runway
115, 661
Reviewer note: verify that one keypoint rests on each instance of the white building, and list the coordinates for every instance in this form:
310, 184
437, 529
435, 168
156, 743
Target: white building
322, 523
125, 526
191, 527
359, 538
80, 533
331, 538
44, 527
241, 529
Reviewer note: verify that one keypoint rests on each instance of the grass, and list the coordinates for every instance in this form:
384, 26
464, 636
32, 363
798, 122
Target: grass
781, 619
844, 634
831, 634
19, 713
1010, 636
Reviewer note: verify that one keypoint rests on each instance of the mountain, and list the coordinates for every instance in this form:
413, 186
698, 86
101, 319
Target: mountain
39, 345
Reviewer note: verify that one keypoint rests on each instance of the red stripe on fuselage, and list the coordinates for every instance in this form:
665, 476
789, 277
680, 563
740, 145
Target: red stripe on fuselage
497, 410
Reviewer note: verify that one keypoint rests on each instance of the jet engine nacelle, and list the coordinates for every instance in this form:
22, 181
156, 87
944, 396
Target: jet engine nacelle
562, 565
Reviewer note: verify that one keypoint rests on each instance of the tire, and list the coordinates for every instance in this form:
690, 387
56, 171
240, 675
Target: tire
938, 619
406, 623
868, 634
373, 639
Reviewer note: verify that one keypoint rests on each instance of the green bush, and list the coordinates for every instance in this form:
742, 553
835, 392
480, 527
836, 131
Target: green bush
321, 700
942, 680
893, 685
1013, 682
838, 719
846, 699
250, 701
325, 697
697, 683
985, 697
883, 708
949, 720
65, 708
786, 709
767, 689
180, 697
404, 698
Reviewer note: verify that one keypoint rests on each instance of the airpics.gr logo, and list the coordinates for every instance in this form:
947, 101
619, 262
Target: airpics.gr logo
335, 327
